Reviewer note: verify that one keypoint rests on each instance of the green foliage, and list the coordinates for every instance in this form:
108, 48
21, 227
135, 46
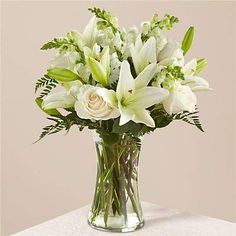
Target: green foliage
66, 122
48, 83
188, 39
201, 65
129, 128
106, 19
191, 118
58, 126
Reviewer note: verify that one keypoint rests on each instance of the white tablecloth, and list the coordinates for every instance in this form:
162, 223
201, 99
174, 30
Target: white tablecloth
158, 222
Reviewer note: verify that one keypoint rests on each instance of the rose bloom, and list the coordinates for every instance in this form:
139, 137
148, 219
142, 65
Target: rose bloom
90, 105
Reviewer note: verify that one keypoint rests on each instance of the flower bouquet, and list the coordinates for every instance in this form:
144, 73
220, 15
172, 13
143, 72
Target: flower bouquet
122, 84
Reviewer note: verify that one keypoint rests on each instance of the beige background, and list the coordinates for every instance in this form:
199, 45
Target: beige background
180, 166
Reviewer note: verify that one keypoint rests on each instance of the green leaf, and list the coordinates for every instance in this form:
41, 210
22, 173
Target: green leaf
62, 74
201, 65
188, 39
51, 112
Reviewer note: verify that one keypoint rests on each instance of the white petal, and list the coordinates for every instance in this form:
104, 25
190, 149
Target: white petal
168, 51
145, 76
89, 32
148, 50
88, 52
190, 67
60, 61
125, 84
80, 110
139, 62
125, 114
138, 43
196, 83
58, 100
146, 97
143, 116
108, 96
181, 98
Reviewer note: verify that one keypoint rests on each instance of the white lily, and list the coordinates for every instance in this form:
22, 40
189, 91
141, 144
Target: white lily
196, 83
89, 34
133, 96
171, 54
65, 99
143, 53
190, 67
181, 98
100, 68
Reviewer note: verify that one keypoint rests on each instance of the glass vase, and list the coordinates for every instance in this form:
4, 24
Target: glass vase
116, 205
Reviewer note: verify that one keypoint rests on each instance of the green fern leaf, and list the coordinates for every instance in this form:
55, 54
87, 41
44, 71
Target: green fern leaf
191, 118
47, 83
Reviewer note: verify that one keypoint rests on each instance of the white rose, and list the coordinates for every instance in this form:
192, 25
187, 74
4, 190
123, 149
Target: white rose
90, 105
181, 98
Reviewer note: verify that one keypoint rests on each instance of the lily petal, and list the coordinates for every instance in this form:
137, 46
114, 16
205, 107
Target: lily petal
145, 76
146, 97
148, 50
137, 60
126, 84
196, 83
143, 116
58, 100
125, 114
190, 67
90, 31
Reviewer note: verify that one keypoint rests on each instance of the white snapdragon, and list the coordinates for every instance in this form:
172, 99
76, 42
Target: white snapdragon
143, 53
65, 60
115, 68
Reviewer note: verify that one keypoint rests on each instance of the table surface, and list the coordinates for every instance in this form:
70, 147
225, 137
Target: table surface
158, 222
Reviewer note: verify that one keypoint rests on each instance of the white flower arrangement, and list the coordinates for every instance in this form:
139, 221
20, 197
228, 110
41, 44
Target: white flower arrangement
121, 81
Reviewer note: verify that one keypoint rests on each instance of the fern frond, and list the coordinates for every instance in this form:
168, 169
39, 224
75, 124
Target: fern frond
49, 87
191, 118
52, 129
48, 84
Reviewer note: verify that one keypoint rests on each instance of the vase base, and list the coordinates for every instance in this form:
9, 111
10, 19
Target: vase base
118, 230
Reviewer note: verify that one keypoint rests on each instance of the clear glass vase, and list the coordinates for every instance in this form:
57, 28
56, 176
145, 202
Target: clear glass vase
116, 206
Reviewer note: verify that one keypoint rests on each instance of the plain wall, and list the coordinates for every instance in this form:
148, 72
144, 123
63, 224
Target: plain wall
180, 166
